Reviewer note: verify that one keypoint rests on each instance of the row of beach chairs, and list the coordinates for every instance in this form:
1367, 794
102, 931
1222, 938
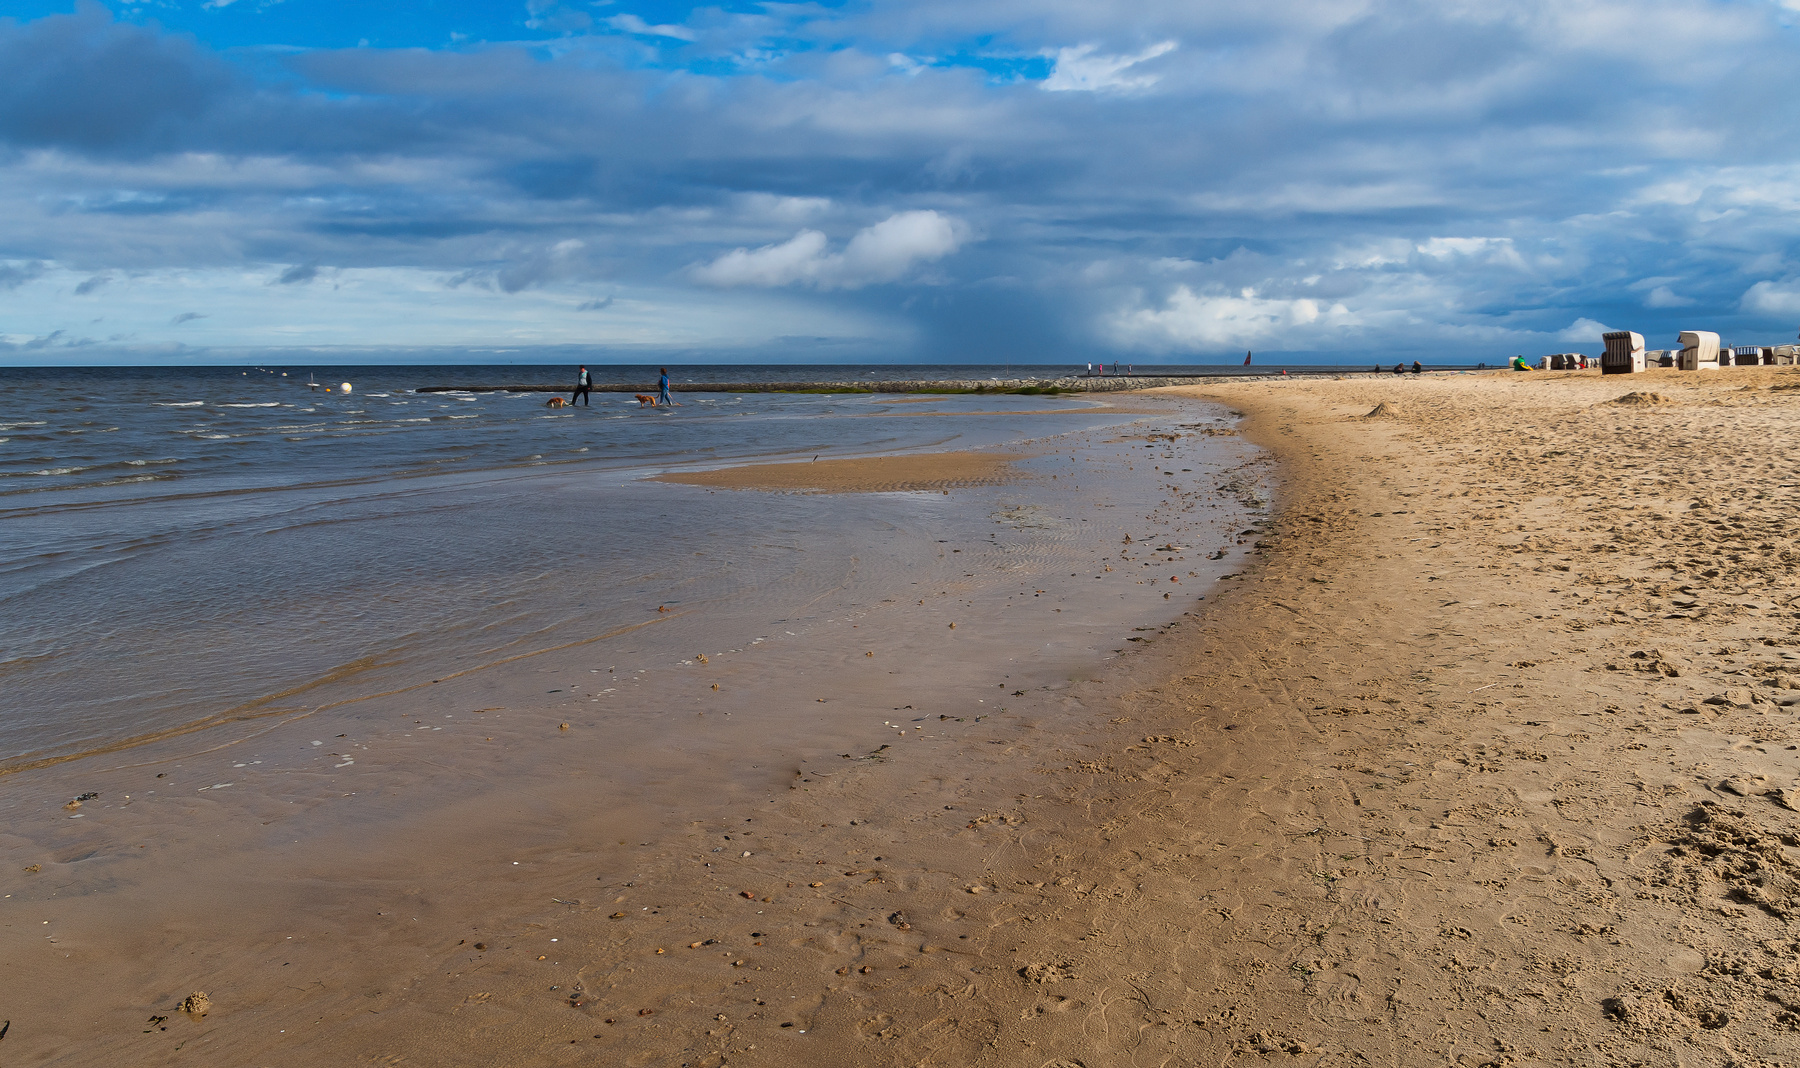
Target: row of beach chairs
1699, 351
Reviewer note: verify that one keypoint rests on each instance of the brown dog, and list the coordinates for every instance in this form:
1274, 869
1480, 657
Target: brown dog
645, 400
555, 402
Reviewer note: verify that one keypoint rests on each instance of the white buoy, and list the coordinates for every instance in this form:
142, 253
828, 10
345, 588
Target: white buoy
345, 387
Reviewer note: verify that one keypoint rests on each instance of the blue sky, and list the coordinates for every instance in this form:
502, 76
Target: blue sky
936, 180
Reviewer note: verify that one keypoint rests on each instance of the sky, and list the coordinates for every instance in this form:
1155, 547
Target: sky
943, 181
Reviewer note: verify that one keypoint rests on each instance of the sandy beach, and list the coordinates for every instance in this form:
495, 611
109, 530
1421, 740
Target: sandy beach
1483, 756
1489, 761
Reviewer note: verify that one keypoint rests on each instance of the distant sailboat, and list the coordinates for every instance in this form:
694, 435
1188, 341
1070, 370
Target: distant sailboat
1246, 359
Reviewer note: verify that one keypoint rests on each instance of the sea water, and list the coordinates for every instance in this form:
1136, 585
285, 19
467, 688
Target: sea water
182, 547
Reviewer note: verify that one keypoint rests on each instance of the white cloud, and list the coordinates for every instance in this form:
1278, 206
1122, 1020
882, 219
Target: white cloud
794, 260
1664, 297
1486, 249
635, 25
883, 252
1080, 69
1193, 321
1772, 299
1583, 331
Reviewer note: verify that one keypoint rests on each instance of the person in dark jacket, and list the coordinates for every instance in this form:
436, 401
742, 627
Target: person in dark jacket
582, 384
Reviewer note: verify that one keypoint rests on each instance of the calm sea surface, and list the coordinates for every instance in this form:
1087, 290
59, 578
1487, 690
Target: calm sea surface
179, 546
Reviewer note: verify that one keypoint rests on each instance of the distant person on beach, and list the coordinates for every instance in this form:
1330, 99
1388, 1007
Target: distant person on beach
1418, 368
1519, 364
1399, 368
662, 389
582, 384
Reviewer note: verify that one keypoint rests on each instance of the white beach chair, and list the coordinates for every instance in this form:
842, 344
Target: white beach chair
1783, 355
1699, 351
1624, 353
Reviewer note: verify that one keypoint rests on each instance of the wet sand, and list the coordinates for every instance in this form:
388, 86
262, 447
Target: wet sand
873, 474
1482, 758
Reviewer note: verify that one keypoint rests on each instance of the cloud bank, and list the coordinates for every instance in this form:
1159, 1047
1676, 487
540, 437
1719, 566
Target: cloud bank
922, 181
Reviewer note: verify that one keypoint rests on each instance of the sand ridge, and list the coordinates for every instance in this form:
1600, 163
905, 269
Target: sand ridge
908, 472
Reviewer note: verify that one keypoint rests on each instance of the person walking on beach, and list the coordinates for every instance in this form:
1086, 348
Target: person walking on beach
662, 389
582, 383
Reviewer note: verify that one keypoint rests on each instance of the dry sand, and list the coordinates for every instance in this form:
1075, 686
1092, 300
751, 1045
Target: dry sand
1483, 761
873, 474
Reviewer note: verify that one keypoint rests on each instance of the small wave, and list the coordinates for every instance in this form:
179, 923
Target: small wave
263, 404
143, 463
178, 404
18, 425
55, 471
215, 437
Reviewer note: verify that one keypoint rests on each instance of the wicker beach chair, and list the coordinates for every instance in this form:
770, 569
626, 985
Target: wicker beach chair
1699, 350
1624, 352
1783, 355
